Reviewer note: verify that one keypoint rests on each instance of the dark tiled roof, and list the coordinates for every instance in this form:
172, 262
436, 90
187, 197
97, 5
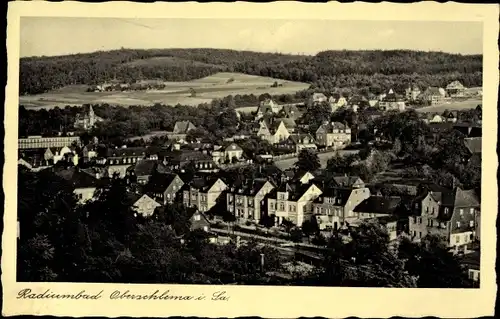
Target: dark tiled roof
473, 144
147, 167
295, 190
378, 205
346, 181
249, 188
203, 183
76, 178
340, 195
159, 182
126, 152
460, 198
300, 138
182, 127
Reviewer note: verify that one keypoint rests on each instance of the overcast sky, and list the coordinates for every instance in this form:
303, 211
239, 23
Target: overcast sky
58, 36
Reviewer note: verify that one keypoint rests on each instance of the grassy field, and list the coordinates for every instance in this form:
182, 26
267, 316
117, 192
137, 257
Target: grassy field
452, 106
207, 89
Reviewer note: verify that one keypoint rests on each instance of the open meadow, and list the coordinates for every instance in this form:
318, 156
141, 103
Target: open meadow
470, 103
215, 86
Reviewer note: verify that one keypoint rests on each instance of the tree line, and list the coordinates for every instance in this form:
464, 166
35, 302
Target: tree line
373, 70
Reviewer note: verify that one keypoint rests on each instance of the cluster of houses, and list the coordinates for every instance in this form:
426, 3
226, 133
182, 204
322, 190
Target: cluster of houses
392, 100
289, 196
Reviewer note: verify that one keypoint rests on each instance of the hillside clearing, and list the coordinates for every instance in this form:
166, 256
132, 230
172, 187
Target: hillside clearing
216, 86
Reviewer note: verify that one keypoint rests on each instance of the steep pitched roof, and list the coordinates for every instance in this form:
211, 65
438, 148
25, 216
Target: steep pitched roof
147, 167
329, 127
301, 138
77, 179
379, 205
233, 147
295, 189
159, 182
339, 194
460, 198
203, 184
347, 181
288, 122
455, 85
473, 144
291, 111
182, 127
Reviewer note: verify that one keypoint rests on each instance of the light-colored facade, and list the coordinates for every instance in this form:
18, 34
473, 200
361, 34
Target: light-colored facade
295, 209
47, 142
203, 198
333, 134
233, 151
145, 206
245, 202
275, 134
338, 204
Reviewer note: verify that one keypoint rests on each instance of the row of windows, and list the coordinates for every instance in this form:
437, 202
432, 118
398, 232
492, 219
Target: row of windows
127, 160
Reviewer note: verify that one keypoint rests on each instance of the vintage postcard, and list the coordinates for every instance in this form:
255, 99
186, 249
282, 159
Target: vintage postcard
275, 160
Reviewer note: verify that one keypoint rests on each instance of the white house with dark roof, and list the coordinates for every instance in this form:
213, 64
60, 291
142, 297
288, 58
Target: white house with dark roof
292, 202
267, 107
317, 98
244, 199
203, 193
232, 151
433, 95
333, 134
455, 89
273, 131
84, 185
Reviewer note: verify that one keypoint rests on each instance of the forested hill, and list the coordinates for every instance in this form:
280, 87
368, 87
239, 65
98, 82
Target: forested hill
372, 70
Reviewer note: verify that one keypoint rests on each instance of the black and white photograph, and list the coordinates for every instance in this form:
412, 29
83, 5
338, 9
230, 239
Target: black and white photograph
250, 152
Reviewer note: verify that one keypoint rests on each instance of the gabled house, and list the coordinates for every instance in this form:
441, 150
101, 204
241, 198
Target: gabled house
267, 107
164, 187
455, 89
432, 96
273, 131
84, 185
202, 193
299, 142
338, 203
181, 128
303, 177
141, 171
333, 134
143, 204
292, 202
375, 207
245, 199
348, 181
392, 101
290, 112
55, 154
450, 214
317, 98
87, 120
233, 152
199, 221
